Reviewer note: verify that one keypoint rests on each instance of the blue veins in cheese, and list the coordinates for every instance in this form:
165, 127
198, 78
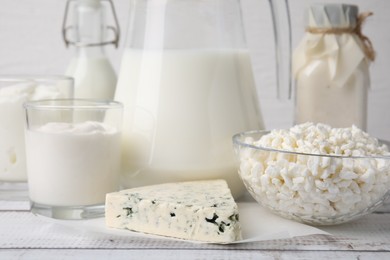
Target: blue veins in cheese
198, 210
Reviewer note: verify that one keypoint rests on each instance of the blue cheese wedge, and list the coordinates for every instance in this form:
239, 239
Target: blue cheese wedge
199, 210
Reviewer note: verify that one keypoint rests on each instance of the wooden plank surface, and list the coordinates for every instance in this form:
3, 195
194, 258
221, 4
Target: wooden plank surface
188, 254
23, 230
25, 236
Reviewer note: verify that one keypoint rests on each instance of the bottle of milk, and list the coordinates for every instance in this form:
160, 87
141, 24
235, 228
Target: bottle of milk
331, 67
92, 71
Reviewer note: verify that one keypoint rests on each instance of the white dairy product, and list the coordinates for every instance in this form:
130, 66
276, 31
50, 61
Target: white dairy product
331, 69
181, 109
94, 77
318, 99
320, 189
12, 150
202, 210
72, 164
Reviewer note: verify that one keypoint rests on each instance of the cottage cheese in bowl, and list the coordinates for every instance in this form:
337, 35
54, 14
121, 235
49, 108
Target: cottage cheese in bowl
314, 173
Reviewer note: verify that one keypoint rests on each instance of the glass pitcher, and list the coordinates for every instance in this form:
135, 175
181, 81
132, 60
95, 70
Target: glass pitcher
187, 85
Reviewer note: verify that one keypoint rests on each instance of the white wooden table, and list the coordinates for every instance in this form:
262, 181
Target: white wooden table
26, 236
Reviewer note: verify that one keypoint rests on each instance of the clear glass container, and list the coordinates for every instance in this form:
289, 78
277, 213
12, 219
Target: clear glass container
317, 189
187, 84
14, 91
87, 33
331, 70
73, 156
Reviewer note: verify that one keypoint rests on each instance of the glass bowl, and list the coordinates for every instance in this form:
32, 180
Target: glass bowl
315, 189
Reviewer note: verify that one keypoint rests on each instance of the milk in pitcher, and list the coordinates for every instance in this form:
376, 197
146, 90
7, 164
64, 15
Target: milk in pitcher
182, 108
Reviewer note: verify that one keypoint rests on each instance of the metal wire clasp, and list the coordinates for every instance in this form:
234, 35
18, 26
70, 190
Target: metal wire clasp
115, 29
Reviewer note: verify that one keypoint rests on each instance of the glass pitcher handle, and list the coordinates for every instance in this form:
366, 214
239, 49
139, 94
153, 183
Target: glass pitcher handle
282, 33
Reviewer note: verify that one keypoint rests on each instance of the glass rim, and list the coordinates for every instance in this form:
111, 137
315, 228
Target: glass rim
71, 104
32, 77
237, 141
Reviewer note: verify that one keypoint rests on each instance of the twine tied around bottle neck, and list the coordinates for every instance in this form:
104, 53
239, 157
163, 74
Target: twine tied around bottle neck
367, 44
